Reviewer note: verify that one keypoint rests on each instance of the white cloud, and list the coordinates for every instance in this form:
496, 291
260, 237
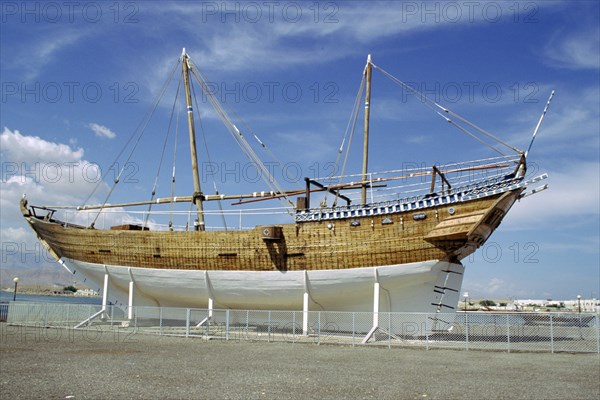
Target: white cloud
48, 173
13, 234
102, 131
234, 38
45, 50
30, 149
572, 124
492, 287
573, 192
578, 50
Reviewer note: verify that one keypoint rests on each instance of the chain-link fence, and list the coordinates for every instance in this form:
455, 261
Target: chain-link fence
540, 332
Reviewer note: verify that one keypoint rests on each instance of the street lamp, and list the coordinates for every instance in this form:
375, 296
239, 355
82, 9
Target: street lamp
466, 296
16, 281
579, 303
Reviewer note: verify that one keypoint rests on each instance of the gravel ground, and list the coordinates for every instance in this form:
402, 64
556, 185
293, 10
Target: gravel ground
60, 363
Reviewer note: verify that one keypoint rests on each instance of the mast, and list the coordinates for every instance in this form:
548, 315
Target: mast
198, 196
366, 131
537, 127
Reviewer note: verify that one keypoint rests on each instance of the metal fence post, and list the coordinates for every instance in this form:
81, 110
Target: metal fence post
319, 327
389, 330
159, 319
508, 333
353, 328
90, 316
293, 326
597, 319
426, 333
227, 324
551, 335
466, 331
269, 328
187, 322
207, 325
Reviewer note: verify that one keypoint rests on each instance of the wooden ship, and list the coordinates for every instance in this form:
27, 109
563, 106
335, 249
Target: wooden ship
398, 253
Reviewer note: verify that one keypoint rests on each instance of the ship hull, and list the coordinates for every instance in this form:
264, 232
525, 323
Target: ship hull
440, 232
389, 254
338, 263
415, 287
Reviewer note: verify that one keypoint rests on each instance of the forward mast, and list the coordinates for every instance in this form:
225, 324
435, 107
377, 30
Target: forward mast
368, 72
198, 197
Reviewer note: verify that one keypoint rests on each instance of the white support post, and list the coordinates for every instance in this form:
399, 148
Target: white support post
305, 304
305, 315
210, 300
210, 294
105, 291
130, 304
105, 294
376, 304
375, 326
102, 311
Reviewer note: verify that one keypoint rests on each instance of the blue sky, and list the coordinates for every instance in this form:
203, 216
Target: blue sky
77, 78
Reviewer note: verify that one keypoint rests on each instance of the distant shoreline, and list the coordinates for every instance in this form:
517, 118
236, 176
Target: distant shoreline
47, 292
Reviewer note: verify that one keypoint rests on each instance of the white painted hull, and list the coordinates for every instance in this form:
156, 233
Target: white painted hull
414, 287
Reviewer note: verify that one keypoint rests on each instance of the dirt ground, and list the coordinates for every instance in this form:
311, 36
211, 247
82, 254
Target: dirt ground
79, 364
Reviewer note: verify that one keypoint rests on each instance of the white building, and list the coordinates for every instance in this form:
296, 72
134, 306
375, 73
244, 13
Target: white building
587, 305
86, 292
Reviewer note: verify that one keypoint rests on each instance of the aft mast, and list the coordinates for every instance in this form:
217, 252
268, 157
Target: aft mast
198, 196
367, 73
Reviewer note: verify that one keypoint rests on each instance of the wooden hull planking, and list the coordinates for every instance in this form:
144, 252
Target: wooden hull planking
341, 244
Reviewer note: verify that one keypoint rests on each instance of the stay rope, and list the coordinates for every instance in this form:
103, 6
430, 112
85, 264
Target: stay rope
162, 154
173, 183
350, 129
434, 106
243, 143
220, 204
139, 131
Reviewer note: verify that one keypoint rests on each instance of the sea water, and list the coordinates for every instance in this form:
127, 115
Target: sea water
8, 296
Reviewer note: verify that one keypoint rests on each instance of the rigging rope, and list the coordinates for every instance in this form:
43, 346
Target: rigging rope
143, 124
352, 127
162, 155
242, 142
133, 134
260, 142
220, 204
426, 100
470, 134
175, 153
